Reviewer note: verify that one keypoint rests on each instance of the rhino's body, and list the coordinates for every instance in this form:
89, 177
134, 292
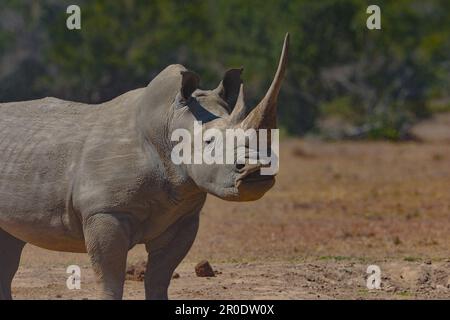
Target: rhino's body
61, 162
99, 178
74, 175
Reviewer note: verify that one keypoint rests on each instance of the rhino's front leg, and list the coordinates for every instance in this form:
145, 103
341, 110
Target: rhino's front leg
108, 240
165, 253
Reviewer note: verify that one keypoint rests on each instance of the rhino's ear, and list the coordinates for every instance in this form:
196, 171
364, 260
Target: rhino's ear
228, 88
189, 83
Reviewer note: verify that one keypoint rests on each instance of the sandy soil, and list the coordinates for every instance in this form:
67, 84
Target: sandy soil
336, 209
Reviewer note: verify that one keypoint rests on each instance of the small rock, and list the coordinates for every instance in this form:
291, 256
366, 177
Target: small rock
204, 269
427, 261
58, 296
175, 275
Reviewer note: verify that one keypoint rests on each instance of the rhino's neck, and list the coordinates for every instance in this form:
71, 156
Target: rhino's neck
155, 140
155, 113
154, 118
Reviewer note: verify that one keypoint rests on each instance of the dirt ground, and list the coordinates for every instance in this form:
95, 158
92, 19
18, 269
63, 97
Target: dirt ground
336, 209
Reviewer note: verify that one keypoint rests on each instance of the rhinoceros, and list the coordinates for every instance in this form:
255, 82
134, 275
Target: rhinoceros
99, 179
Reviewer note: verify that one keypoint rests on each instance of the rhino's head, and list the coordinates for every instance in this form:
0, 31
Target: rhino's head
224, 108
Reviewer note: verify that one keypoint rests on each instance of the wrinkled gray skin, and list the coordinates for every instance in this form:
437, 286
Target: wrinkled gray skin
99, 178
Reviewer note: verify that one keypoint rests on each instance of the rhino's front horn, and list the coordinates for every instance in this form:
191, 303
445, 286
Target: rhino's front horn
264, 116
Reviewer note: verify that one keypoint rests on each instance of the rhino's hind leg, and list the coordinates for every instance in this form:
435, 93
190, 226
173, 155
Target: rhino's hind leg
10, 251
165, 253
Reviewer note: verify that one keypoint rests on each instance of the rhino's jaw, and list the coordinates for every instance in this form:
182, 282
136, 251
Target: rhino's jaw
251, 185
244, 190
254, 190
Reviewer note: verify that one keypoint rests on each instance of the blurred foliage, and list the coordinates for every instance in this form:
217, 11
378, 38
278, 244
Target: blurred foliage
379, 81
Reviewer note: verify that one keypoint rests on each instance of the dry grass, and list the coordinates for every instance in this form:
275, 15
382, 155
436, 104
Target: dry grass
366, 200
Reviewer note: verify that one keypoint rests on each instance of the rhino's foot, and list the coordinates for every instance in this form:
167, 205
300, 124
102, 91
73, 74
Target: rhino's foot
165, 253
10, 251
107, 239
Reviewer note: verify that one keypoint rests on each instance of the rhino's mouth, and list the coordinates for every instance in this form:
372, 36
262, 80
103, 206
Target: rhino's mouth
249, 185
252, 174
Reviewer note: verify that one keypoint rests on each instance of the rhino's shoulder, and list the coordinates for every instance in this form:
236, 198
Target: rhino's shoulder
126, 99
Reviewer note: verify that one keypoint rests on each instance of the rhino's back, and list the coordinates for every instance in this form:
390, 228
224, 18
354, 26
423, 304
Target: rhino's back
39, 142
